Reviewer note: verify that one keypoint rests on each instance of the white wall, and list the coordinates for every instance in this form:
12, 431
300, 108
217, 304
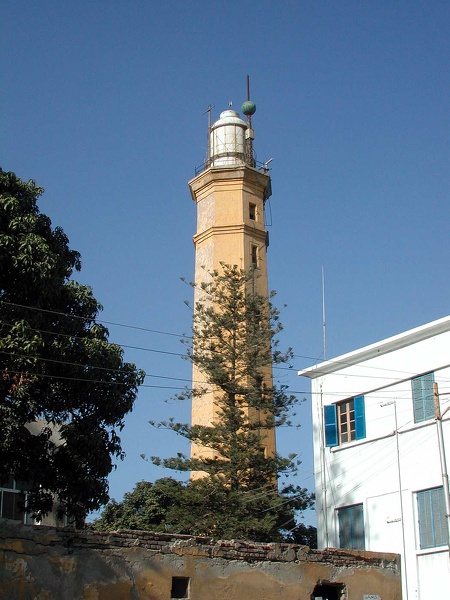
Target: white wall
370, 471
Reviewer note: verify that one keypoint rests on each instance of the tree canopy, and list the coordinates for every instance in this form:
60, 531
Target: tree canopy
234, 345
64, 388
196, 508
156, 506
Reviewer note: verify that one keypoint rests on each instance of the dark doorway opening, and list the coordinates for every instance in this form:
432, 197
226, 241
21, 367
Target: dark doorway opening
328, 591
180, 587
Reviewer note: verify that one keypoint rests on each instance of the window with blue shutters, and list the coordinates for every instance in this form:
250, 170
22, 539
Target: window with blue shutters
345, 421
423, 401
432, 520
351, 527
331, 430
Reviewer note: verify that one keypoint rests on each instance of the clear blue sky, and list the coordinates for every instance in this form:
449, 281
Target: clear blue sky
102, 104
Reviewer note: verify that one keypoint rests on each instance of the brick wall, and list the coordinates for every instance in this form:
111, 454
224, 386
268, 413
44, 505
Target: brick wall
51, 563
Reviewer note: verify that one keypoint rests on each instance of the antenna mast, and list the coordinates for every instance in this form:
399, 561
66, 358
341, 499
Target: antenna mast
208, 110
249, 109
324, 323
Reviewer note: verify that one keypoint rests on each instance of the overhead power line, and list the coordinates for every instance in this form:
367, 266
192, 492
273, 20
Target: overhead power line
180, 354
75, 337
102, 322
86, 365
97, 381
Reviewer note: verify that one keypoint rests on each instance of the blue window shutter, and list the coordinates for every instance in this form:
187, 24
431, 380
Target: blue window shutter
360, 418
351, 527
423, 401
432, 519
331, 432
418, 407
428, 381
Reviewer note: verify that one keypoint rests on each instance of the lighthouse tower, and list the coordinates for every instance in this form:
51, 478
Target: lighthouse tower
230, 194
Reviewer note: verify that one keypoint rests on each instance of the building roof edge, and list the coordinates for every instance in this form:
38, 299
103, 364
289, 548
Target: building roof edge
378, 348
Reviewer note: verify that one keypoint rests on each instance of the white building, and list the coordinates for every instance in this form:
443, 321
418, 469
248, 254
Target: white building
379, 470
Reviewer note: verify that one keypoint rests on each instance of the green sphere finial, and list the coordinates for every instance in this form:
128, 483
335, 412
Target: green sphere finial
249, 108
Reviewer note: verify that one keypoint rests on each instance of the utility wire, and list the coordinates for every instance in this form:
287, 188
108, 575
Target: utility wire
87, 366
165, 352
99, 381
184, 336
63, 314
75, 337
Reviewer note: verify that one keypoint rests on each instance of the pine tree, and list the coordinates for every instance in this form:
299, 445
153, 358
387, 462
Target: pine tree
234, 346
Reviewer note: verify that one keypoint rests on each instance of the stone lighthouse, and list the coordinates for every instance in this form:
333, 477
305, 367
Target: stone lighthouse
230, 193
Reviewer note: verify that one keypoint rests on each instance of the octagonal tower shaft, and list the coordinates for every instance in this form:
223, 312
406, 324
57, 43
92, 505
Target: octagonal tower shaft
230, 198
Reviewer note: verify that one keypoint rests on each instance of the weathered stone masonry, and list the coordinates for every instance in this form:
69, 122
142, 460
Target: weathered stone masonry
47, 563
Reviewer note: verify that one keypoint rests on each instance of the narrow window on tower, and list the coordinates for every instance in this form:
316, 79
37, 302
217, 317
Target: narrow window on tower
255, 256
252, 211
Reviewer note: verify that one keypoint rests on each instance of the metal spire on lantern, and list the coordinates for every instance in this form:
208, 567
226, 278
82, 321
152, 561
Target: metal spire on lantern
249, 109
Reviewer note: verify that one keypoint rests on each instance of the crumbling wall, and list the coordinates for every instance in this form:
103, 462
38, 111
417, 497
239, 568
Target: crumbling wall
48, 563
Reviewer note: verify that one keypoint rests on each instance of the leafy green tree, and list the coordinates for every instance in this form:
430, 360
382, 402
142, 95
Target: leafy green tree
234, 347
197, 508
64, 389
305, 535
150, 506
